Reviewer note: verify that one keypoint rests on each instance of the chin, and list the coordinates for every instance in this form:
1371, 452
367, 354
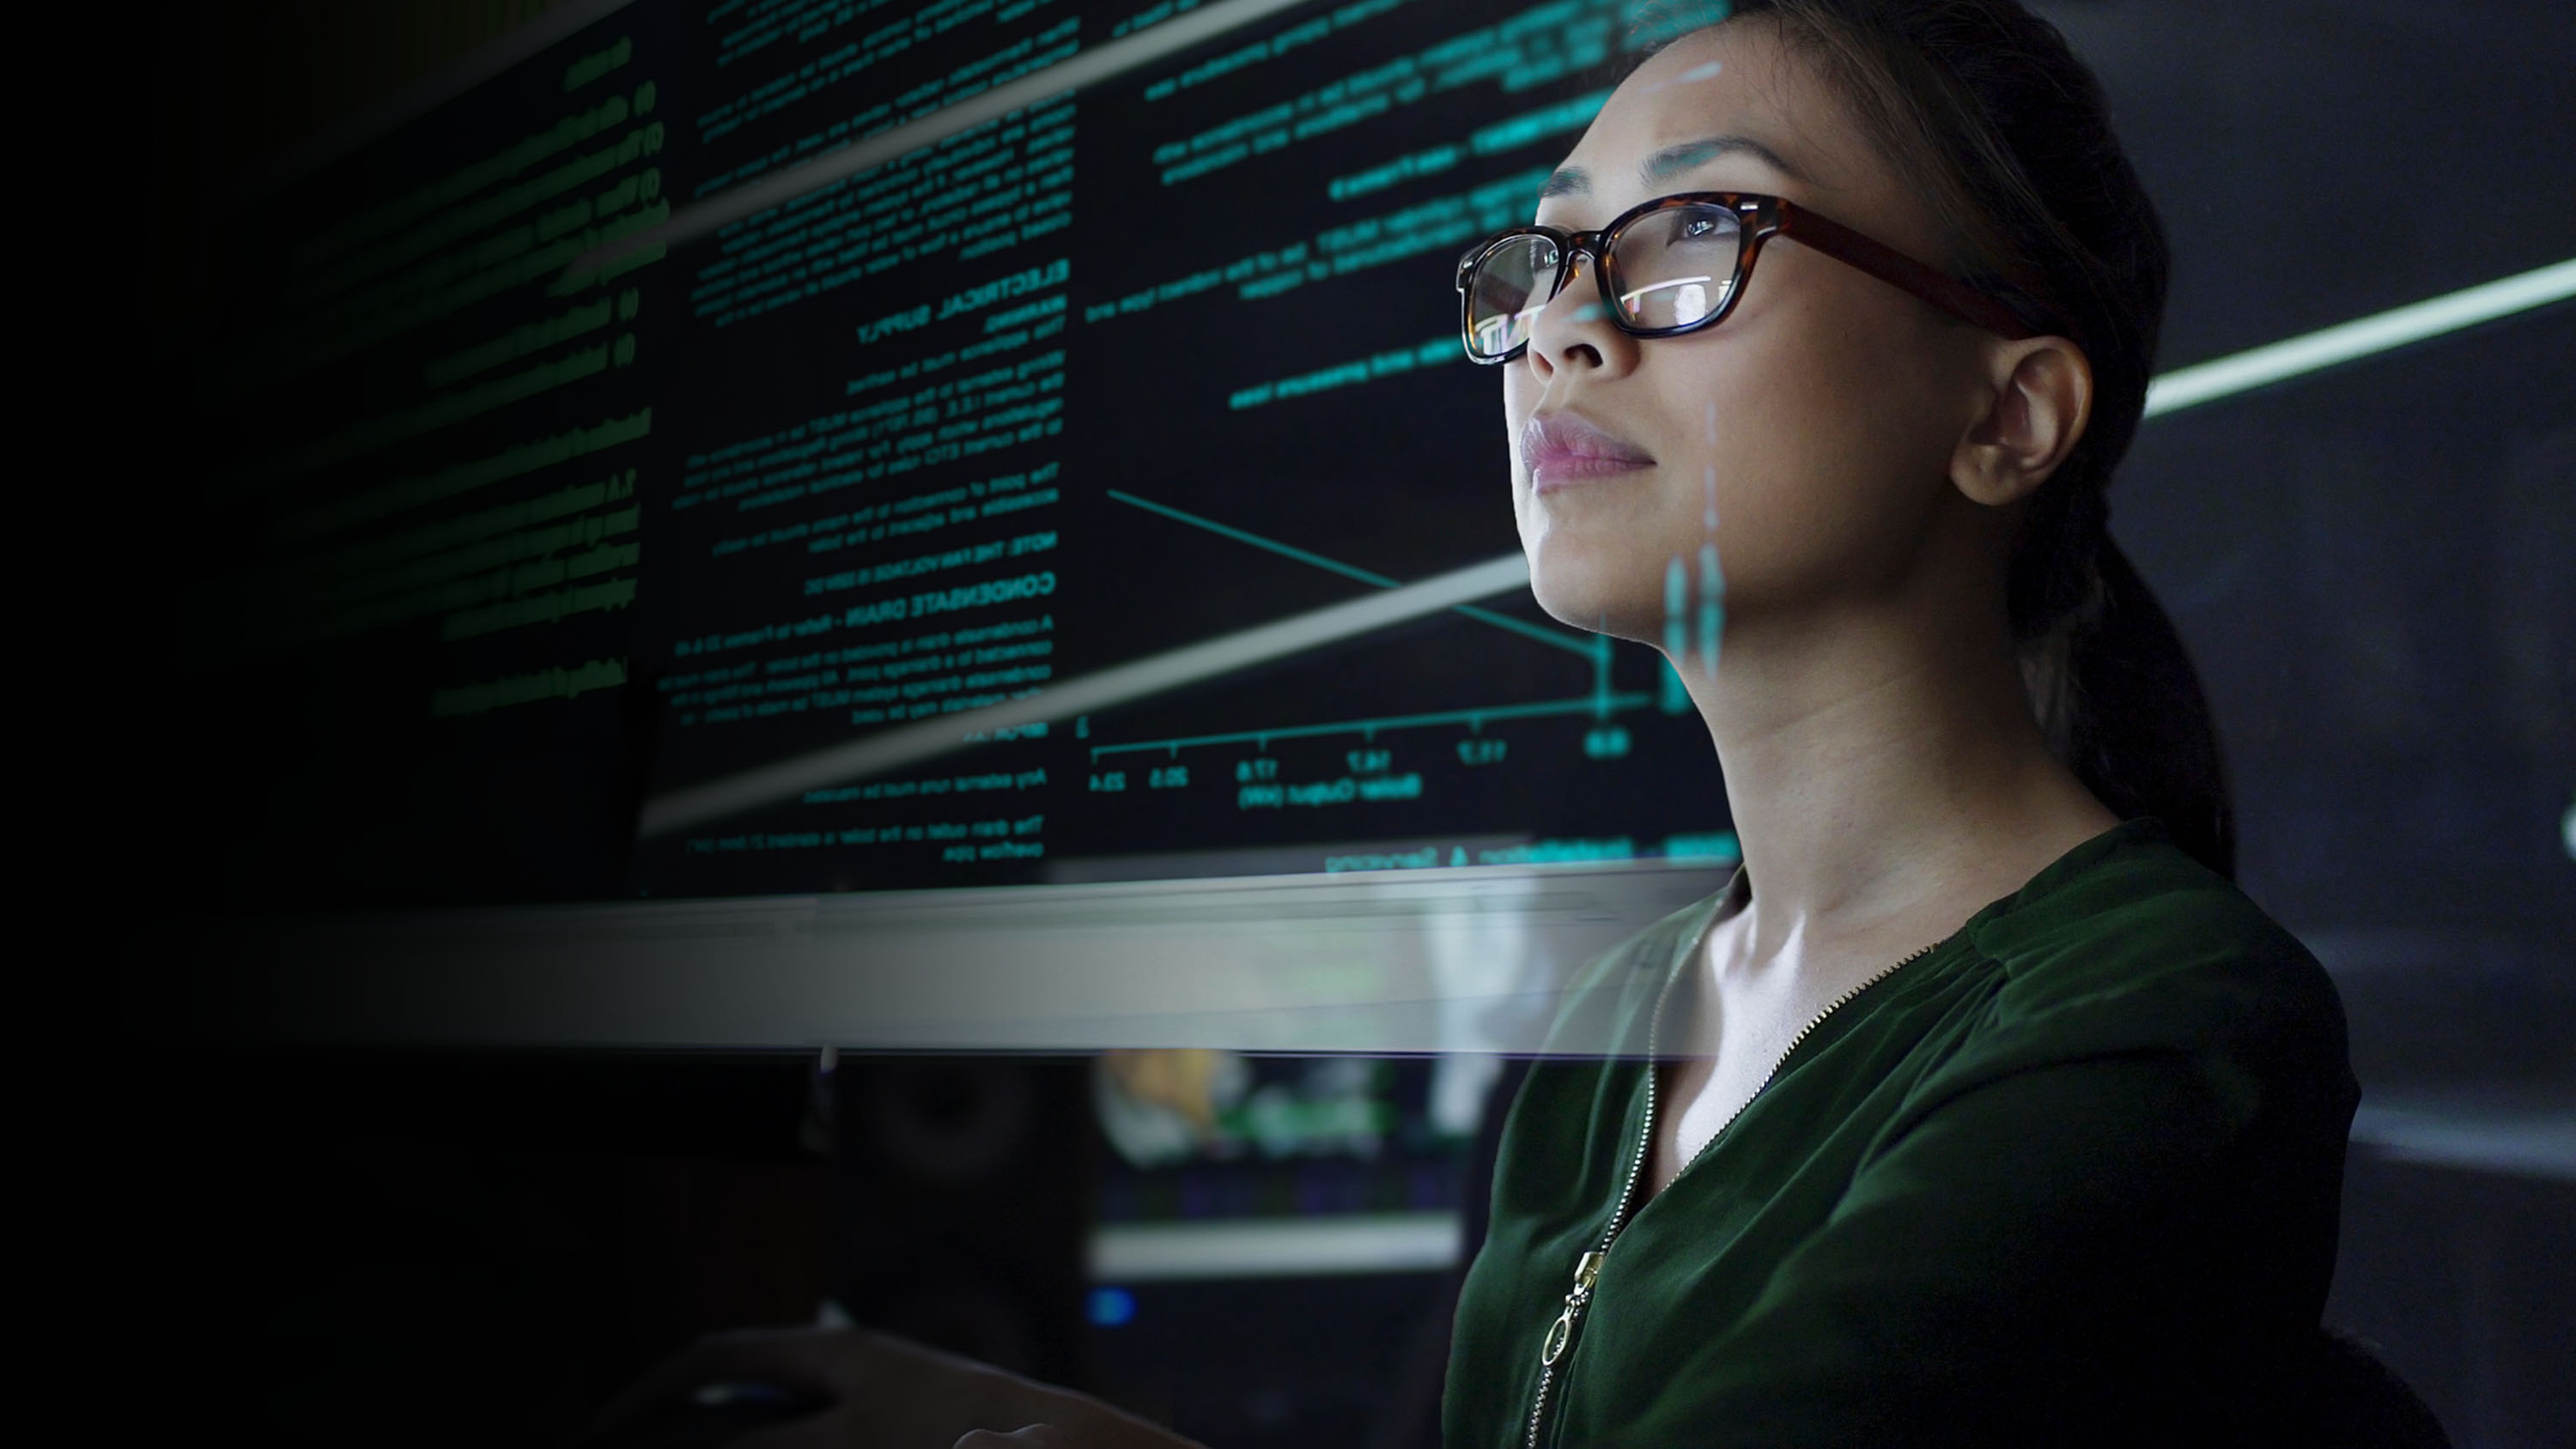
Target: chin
1604, 592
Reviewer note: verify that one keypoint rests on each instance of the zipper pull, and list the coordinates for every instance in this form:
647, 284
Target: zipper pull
1587, 1271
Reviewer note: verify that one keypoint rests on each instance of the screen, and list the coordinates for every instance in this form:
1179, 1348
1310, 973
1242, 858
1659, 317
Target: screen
487, 555
1132, 369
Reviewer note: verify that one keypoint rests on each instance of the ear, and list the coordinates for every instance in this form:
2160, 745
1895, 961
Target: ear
2036, 397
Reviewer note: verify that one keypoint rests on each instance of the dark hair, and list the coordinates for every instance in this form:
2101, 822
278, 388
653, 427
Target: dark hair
2008, 136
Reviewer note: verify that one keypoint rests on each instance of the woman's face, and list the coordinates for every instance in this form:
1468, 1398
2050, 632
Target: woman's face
1816, 424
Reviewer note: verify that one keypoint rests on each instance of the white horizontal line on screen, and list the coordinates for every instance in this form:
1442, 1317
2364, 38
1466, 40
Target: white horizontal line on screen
2207, 382
1420, 1242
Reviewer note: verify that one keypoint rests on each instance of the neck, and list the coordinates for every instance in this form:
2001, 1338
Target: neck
1881, 766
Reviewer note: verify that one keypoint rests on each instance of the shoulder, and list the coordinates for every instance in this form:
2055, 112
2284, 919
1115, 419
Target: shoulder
2138, 948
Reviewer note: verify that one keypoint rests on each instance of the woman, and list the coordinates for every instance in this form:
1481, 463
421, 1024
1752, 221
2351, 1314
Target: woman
2051, 1145
1979, 1108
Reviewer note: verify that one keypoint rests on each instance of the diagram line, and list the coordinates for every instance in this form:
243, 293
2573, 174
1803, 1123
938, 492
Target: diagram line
928, 738
1590, 646
1586, 645
1284, 550
1472, 717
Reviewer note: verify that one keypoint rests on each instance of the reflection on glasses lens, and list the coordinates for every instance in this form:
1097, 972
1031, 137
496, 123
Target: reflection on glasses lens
1669, 268
1509, 286
1673, 267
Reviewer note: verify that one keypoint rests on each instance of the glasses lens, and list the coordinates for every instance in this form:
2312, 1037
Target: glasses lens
1505, 292
1674, 266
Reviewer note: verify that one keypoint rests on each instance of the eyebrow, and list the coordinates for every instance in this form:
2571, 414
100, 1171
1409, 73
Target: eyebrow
1575, 181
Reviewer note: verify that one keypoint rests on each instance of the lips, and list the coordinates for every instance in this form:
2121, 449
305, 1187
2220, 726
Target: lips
1563, 448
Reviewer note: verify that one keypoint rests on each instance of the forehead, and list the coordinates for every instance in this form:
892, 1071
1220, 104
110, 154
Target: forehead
1728, 106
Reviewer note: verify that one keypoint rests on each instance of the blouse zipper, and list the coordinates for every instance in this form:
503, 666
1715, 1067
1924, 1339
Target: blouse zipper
1587, 1269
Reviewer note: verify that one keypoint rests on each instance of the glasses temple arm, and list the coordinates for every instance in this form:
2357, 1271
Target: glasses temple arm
1897, 269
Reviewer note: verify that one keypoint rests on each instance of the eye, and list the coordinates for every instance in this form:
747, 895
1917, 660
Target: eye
1694, 227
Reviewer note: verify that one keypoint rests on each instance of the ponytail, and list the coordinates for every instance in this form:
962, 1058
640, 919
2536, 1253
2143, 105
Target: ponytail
2008, 137
2116, 692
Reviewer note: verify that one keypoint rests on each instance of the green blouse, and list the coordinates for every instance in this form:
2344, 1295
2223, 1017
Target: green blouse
2070, 1177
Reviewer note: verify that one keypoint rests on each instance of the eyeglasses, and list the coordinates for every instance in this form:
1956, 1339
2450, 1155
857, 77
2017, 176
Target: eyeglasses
1677, 264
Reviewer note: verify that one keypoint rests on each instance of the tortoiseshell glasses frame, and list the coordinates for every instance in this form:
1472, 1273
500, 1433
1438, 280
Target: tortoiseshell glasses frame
1756, 219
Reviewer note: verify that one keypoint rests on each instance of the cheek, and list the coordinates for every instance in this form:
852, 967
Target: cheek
1827, 460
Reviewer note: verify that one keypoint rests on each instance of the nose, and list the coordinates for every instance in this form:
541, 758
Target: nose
1573, 330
